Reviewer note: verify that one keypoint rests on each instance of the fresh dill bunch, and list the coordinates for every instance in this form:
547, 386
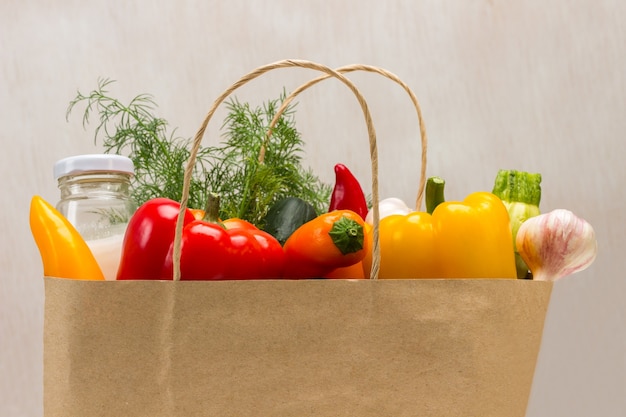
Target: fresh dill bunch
134, 130
247, 186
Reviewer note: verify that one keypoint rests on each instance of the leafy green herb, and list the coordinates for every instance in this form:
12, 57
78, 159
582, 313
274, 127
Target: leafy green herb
247, 186
250, 186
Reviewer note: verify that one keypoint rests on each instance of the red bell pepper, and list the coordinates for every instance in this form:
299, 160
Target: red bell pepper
148, 240
232, 249
347, 193
258, 255
206, 252
210, 250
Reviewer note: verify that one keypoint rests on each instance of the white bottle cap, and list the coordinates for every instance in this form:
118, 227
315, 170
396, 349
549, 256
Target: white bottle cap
79, 164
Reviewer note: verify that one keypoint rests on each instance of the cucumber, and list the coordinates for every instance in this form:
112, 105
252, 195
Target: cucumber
286, 215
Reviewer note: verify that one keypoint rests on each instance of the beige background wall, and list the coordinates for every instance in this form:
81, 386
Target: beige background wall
530, 85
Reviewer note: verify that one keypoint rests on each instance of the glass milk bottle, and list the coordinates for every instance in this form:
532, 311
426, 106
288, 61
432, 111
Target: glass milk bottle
95, 198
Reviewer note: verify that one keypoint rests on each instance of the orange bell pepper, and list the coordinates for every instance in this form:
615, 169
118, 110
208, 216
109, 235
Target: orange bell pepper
329, 241
361, 269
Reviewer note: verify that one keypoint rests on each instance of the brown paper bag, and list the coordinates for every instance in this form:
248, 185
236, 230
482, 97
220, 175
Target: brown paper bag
292, 348
319, 348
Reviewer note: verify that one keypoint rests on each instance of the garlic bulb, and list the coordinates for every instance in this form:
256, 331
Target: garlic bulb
387, 207
556, 244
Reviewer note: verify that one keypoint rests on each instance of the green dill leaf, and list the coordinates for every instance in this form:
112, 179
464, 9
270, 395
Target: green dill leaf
247, 187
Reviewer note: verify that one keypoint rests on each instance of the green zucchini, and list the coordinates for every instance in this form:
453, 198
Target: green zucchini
286, 215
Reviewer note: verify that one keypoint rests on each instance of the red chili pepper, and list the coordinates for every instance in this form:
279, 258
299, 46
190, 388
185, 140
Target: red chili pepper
148, 239
347, 193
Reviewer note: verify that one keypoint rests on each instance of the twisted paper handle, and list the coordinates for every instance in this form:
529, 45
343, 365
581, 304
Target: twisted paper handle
385, 73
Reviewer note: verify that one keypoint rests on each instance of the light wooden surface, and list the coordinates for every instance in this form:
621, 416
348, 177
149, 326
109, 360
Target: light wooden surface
530, 85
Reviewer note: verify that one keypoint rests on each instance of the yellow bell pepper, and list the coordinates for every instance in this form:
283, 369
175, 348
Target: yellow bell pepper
64, 252
407, 247
468, 239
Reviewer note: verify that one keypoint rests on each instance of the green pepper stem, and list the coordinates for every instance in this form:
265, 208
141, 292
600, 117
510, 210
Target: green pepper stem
347, 235
434, 193
212, 209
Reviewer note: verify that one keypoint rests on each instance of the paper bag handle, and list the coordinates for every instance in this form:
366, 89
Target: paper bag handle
385, 73
370, 130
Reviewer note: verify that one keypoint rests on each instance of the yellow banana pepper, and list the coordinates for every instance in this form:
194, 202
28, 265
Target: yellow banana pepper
64, 253
468, 239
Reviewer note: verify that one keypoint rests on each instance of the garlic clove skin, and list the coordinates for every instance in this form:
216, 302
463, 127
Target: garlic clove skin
556, 244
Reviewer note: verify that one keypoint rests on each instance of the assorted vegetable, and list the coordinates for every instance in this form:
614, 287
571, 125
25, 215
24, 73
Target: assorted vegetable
276, 220
257, 254
468, 239
206, 252
64, 253
434, 193
330, 241
521, 194
460, 239
148, 240
387, 207
361, 269
477, 234
556, 244
229, 249
286, 215
347, 193
407, 246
